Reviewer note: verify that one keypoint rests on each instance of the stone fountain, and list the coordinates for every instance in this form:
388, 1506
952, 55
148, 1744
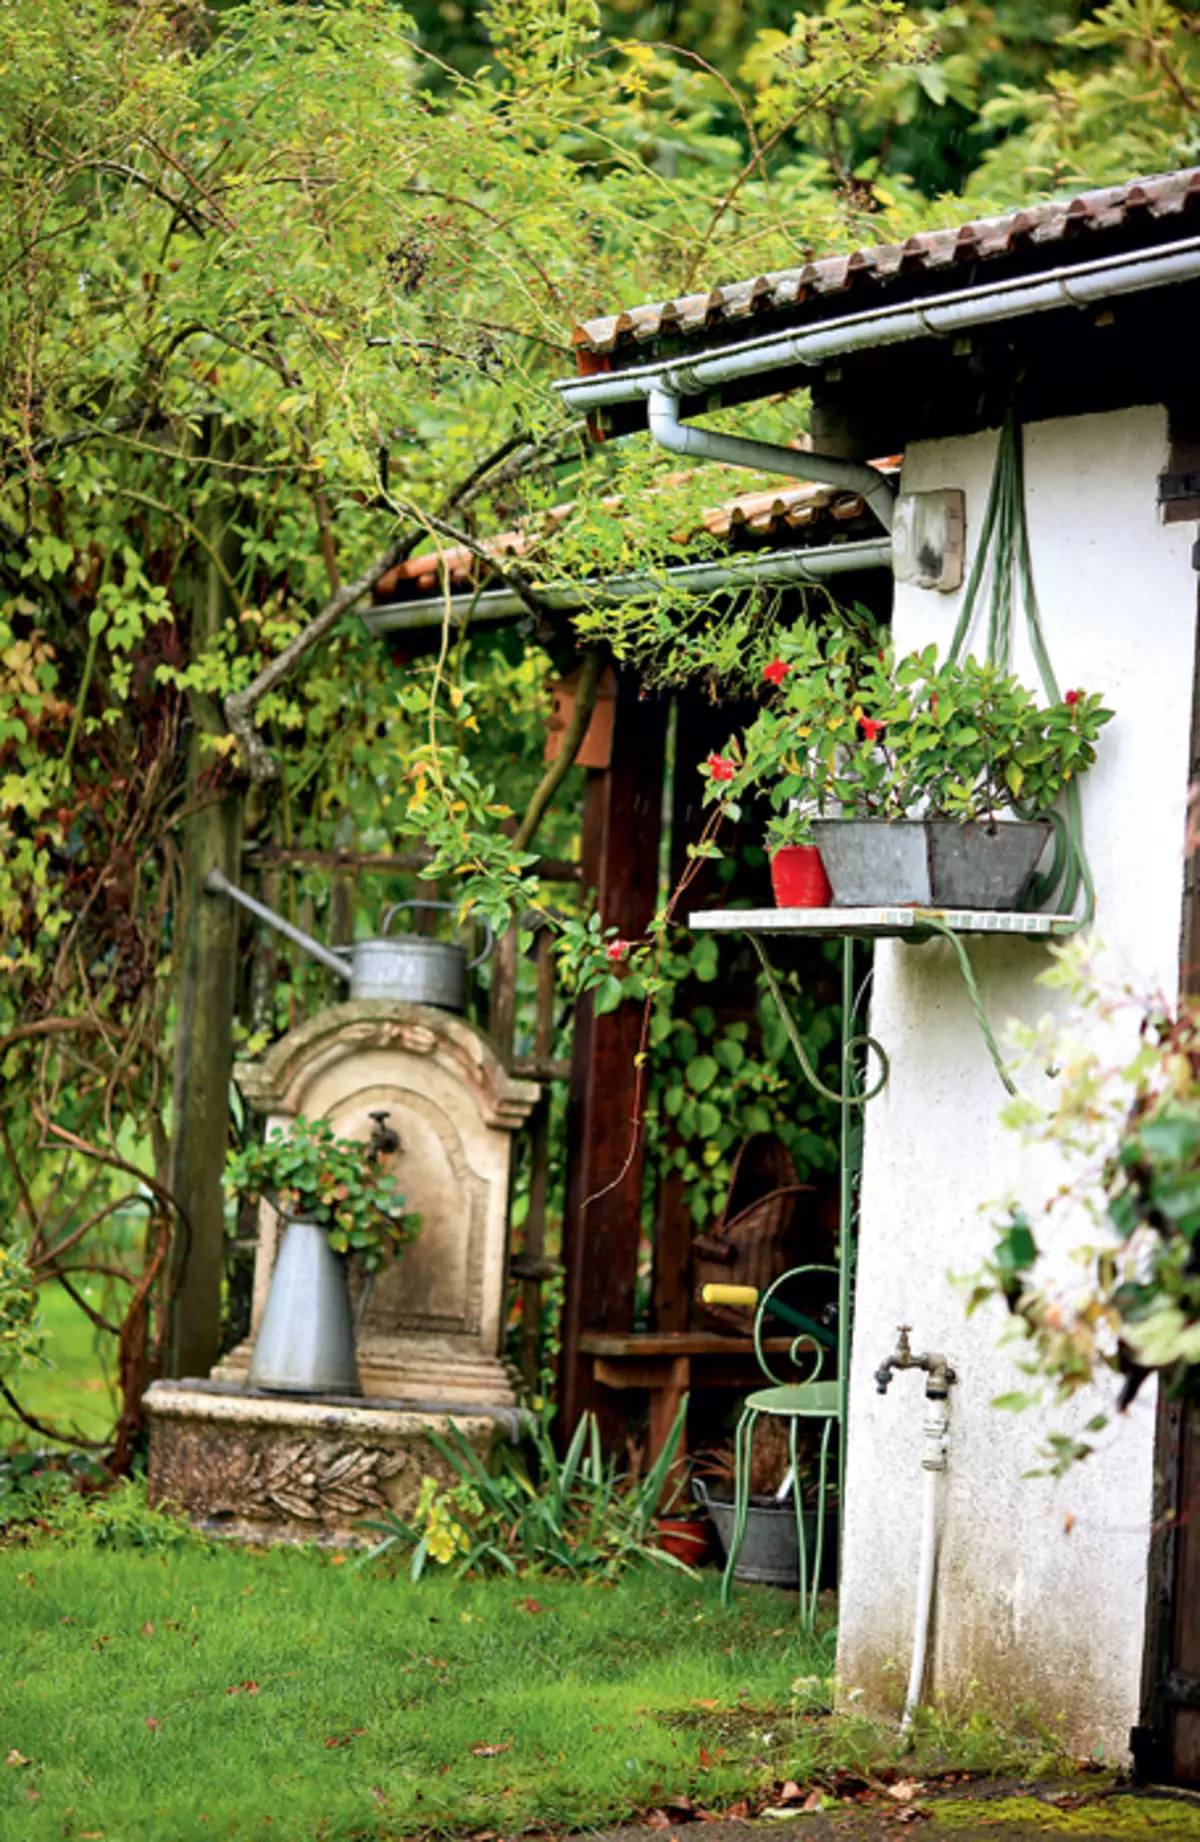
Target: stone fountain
264, 1465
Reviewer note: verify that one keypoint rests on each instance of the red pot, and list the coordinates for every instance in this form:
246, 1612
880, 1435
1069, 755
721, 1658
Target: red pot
684, 1537
798, 878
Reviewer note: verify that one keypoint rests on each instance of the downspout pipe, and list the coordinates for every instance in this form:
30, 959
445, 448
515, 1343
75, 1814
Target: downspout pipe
944, 316
671, 432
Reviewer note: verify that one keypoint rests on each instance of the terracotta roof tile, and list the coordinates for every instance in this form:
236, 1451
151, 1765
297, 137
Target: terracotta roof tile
1134, 208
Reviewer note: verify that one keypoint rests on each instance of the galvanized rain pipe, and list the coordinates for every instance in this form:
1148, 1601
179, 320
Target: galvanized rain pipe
1077, 285
738, 451
499, 604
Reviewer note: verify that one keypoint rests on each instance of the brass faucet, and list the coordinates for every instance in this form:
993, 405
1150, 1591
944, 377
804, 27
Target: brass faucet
936, 1366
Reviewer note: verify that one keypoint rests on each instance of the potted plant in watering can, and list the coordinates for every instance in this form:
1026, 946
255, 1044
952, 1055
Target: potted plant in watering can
336, 1200
918, 782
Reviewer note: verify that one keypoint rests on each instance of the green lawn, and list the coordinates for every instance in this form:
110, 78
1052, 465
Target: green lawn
217, 1692
77, 1386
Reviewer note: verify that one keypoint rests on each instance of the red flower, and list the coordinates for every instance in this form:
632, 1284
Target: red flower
776, 671
1072, 697
871, 728
616, 951
720, 767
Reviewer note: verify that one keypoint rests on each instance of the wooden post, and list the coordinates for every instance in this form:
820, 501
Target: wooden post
602, 1225
205, 996
539, 1168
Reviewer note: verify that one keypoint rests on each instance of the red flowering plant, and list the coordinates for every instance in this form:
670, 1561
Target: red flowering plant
845, 731
311, 1175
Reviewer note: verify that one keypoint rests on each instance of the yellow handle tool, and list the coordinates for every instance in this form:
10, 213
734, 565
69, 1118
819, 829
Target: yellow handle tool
729, 1295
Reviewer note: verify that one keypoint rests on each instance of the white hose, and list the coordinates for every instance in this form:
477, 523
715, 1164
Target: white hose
933, 1463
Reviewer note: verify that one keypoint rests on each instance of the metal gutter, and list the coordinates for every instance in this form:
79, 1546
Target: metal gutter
670, 432
501, 604
1076, 285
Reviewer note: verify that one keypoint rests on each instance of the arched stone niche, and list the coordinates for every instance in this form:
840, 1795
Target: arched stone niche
433, 1325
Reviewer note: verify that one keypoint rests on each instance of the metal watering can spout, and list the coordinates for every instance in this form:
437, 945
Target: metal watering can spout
217, 883
404, 966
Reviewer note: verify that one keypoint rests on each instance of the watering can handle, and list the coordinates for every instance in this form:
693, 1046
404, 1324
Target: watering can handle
452, 908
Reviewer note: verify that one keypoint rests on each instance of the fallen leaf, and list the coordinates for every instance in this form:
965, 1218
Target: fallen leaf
148, 1628
243, 1688
490, 1752
780, 1811
658, 1819
91, 1835
705, 1758
33, 1795
529, 1605
1068, 1523
699, 1701
904, 1790
737, 1813
337, 1560
17, 1758
378, 1795
344, 1739
814, 1801
791, 1792
153, 1724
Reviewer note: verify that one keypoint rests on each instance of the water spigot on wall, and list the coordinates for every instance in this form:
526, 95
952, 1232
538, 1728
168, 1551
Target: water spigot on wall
935, 1366
384, 1139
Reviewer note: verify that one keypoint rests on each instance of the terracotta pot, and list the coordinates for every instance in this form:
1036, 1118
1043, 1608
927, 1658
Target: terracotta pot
798, 878
686, 1537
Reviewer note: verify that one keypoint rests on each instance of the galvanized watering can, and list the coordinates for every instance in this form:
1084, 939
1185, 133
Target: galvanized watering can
391, 966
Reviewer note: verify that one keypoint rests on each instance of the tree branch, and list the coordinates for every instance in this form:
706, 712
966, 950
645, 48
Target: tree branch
586, 692
258, 761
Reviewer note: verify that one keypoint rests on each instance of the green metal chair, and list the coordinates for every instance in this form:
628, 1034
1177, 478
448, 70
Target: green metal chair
813, 1397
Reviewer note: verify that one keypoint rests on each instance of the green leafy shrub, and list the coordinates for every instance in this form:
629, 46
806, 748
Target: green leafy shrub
314, 1176
848, 732
577, 1516
1127, 1302
21, 1334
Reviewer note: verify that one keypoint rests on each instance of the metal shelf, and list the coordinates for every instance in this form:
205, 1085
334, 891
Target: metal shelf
878, 923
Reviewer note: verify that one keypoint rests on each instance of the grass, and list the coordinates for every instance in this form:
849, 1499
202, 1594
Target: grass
201, 1691
78, 1385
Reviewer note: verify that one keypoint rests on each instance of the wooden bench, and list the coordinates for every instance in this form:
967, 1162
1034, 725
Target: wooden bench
669, 1364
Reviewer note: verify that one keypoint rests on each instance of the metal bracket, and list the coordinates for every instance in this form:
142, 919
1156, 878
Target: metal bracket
1175, 486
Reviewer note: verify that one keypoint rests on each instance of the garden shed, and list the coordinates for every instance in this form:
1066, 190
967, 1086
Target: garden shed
1072, 1597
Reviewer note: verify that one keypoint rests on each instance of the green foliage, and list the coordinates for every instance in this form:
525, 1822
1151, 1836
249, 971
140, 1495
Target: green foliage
310, 1174
69, 1498
1129, 1129
21, 1333
714, 1083
850, 732
536, 1513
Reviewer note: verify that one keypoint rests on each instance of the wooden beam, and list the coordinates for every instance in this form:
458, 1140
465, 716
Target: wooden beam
204, 1005
549, 869
602, 1224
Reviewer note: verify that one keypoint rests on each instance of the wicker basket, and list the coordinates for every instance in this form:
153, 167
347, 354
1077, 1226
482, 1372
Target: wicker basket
761, 1233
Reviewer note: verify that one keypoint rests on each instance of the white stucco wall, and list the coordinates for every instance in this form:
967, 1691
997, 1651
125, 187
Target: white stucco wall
1026, 1611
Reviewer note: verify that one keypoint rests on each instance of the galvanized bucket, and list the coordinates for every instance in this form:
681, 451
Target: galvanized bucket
769, 1554
929, 863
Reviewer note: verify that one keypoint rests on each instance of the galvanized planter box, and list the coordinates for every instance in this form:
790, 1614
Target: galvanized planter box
929, 863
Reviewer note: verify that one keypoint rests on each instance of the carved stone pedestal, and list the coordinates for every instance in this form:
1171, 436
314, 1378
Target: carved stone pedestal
275, 1466
266, 1468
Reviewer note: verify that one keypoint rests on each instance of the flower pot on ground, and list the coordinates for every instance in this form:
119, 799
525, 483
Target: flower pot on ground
336, 1200
935, 766
688, 1538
